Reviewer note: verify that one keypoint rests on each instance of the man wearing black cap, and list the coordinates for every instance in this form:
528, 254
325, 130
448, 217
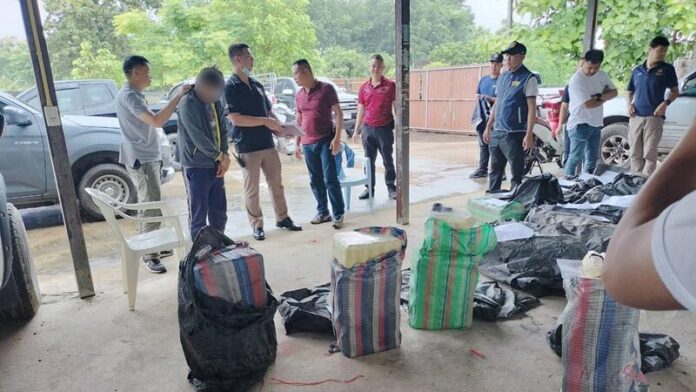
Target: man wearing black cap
509, 129
485, 94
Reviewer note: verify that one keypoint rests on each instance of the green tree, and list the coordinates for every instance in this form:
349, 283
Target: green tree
16, 72
97, 64
350, 63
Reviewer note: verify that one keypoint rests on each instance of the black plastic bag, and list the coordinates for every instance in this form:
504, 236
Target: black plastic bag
538, 190
657, 351
226, 347
493, 302
530, 264
405, 286
307, 310
594, 234
623, 185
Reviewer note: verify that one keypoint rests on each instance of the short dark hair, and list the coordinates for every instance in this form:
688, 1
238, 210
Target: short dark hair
303, 63
594, 56
211, 76
377, 57
133, 61
236, 49
659, 41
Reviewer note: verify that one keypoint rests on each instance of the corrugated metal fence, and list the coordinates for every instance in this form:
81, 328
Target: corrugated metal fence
441, 100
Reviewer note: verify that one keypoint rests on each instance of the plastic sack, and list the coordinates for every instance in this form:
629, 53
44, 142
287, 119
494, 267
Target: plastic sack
600, 348
491, 210
493, 302
592, 233
227, 348
307, 310
538, 190
624, 184
445, 274
365, 298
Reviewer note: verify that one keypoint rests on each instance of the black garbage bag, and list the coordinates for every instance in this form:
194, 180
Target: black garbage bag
577, 191
405, 285
657, 351
607, 213
227, 348
307, 310
494, 302
530, 264
623, 185
593, 234
538, 190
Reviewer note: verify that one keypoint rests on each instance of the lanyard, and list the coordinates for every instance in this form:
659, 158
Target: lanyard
218, 134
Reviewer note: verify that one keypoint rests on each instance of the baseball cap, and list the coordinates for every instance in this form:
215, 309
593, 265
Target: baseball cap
515, 48
496, 58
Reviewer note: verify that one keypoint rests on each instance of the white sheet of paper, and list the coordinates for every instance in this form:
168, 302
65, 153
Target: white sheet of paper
513, 231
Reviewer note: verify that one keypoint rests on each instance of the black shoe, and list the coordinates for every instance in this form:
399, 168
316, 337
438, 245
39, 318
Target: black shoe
479, 174
166, 253
319, 219
392, 194
153, 265
287, 223
365, 195
259, 235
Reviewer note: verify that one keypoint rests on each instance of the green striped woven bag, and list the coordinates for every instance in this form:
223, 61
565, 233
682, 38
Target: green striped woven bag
445, 275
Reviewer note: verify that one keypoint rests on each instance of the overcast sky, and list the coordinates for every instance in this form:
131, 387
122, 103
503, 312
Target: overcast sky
488, 13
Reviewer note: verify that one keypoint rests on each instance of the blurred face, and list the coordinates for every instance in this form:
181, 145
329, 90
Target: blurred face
245, 60
657, 54
141, 76
302, 76
208, 93
376, 68
514, 60
589, 68
496, 68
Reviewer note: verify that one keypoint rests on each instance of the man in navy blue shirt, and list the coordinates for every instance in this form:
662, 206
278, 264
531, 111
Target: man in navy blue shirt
485, 94
647, 105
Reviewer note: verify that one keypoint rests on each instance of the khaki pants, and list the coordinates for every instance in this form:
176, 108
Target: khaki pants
644, 136
267, 161
147, 179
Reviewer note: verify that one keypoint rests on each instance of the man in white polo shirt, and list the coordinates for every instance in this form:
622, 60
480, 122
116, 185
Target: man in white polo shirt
651, 261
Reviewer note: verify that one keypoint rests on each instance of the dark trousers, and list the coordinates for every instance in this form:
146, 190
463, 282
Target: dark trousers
484, 151
504, 147
323, 177
206, 199
380, 139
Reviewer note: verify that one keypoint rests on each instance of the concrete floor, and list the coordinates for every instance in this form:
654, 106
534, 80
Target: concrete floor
98, 345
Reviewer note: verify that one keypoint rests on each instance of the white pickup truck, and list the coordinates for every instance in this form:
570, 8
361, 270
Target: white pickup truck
615, 147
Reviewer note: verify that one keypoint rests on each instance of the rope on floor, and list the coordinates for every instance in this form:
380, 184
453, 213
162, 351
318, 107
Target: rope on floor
315, 383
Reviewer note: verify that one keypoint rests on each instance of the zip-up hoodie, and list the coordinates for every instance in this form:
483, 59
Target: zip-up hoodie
200, 141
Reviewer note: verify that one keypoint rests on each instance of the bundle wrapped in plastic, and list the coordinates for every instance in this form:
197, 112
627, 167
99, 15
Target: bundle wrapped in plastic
490, 210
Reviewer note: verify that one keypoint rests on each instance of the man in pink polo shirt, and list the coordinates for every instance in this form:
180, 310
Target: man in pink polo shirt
375, 122
315, 102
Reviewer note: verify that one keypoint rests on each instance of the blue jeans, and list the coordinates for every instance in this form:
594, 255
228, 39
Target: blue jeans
206, 199
323, 177
566, 144
584, 140
350, 159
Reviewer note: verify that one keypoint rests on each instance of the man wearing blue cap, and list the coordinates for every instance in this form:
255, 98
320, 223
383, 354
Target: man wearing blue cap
509, 131
485, 94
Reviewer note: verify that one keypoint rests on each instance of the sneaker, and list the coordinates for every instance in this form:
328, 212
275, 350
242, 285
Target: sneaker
259, 235
365, 195
166, 253
319, 219
392, 194
287, 223
479, 174
154, 265
504, 177
338, 222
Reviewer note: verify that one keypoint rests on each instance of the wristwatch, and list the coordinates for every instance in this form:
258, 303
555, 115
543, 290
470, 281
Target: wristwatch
667, 101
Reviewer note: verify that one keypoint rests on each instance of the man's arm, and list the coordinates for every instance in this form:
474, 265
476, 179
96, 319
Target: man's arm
359, 121
160, 118
336, 142
531, 122
661, 110
298, 139
489, 125
629, 271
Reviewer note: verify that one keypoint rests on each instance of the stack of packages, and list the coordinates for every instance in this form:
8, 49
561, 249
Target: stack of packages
490, 209
226, 314
445, 273
366, 288
600, 346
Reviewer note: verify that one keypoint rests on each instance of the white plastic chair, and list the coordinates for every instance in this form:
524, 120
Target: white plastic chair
352, 180
171, 235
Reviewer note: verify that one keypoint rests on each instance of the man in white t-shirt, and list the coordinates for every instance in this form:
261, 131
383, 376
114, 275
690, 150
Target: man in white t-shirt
651, 260
589, 88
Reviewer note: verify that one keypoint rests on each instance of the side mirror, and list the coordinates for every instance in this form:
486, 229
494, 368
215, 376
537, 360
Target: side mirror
2, 124
288, 92
18, 117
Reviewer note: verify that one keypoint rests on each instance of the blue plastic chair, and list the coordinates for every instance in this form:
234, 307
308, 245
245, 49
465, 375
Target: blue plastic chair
351, 180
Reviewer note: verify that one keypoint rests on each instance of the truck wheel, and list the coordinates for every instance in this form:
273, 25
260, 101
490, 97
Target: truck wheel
614, 147
20, 299
109, 178
173, 137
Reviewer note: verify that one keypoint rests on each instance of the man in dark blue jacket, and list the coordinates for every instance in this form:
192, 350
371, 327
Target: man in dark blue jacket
203, 151
509, 131
485, 94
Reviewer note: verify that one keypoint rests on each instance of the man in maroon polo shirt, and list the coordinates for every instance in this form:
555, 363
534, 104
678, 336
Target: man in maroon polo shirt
315, 102
375, 122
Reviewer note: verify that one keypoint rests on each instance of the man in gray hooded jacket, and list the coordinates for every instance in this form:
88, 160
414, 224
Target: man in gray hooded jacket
203, 147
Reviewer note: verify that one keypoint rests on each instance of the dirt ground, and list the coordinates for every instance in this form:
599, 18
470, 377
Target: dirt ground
98, 345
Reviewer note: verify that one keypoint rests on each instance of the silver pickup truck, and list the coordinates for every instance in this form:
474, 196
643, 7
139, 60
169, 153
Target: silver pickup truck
93, 149
615, 148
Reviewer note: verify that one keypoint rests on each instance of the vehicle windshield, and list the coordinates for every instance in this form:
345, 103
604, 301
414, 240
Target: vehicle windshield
8, 98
